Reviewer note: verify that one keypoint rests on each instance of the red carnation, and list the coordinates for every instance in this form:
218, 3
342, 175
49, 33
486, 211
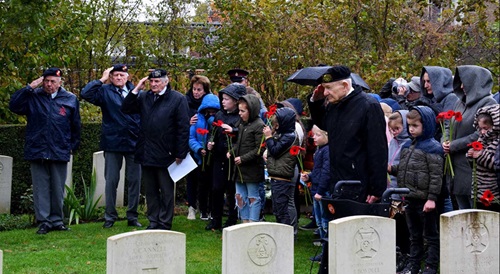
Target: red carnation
458, 116
202, 131
485, 202
448, 115
263, 145
476, 145
294, 150
217, 123
488, 195
440, 117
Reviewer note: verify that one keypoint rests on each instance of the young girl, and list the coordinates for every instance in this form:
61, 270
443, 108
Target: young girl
249, 170
487, 122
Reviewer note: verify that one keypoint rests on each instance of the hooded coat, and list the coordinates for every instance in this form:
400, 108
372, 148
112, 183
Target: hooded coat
442, 97
198, 141
477, 82
396, 145
486, 175
280, 163
420, 168
248, 143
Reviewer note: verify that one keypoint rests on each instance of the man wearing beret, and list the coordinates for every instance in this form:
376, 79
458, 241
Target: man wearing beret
163, 139
356, 131
119, 135
52, 134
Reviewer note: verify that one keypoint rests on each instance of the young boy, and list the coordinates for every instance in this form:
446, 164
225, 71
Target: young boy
281, 164
249, 165
421, 169
487, 122
200, 180
320, 178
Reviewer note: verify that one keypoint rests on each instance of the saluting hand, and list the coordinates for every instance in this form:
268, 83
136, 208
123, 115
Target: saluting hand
36, 83
140, 85
105, 75
318, 93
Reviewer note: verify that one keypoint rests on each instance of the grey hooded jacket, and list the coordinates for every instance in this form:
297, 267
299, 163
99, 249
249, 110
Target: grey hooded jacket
442, 88
475, 94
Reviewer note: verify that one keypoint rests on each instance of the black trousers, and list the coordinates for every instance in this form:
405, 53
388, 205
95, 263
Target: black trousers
159, 196
221, 185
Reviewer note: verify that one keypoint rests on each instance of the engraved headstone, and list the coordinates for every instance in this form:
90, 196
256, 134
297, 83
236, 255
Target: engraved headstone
362, 244
257, 248
5, 183
146, 251
98, 165
470, 242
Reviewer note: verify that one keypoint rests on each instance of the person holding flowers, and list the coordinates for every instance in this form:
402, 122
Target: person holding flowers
228, 115
472, 85
487, 122
281, 162
248, 164
199, 181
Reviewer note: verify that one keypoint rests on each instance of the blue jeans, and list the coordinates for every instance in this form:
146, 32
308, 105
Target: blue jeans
321, 222
248, 210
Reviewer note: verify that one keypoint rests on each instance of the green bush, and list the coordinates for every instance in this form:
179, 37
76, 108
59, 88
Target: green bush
10, 222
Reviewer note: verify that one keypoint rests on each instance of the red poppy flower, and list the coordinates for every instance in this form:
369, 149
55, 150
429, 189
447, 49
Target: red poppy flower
488, 195
448, 115
440, 117
485, 202
477, 146
294, 151
272, 110
458, 116
217, 123
202, 131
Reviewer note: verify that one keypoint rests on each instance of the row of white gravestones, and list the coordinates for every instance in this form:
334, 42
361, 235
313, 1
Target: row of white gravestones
358, 244
246, 248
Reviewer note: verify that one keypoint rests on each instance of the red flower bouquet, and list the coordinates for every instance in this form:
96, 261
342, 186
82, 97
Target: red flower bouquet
477, 146
203, 132
268, 115
450, 116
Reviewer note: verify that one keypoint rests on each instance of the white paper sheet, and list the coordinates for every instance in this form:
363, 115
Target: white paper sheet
178, 172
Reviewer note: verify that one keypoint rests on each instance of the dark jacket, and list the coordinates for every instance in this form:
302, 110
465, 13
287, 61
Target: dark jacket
53, 129
197, 141
247, 145
476, 94
442, 97
119, 131
280, 163
164, 130
420, 167
358, 144
320, 175
193, 103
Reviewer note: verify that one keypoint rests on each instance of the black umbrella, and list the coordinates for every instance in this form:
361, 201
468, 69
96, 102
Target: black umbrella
357, 80
311, 76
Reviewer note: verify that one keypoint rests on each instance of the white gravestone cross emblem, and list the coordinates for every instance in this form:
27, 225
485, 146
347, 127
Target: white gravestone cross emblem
476, 237
367, 242
261, 249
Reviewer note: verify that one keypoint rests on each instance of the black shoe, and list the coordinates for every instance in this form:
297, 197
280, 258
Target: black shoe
316, 258
134, 223
150, 227
108, 224
61, 228
310, 226
43, 229
213, 226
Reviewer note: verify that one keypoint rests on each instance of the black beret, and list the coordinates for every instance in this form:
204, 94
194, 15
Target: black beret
120, 67
157, 73
237, 75
336, 73
52, 72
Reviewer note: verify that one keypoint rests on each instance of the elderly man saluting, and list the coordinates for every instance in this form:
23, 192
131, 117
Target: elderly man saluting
52, 134
163, 139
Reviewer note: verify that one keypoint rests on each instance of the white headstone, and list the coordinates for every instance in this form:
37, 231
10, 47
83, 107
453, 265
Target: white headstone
5, 183
362, 244
98, 165
257, 248
1, 261
69, 170
151, 251
470, 242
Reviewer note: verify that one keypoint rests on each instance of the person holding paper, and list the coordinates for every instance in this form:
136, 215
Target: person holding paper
163, 139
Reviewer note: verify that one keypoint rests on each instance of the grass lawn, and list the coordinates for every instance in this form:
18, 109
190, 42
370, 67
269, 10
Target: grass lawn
83, 249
